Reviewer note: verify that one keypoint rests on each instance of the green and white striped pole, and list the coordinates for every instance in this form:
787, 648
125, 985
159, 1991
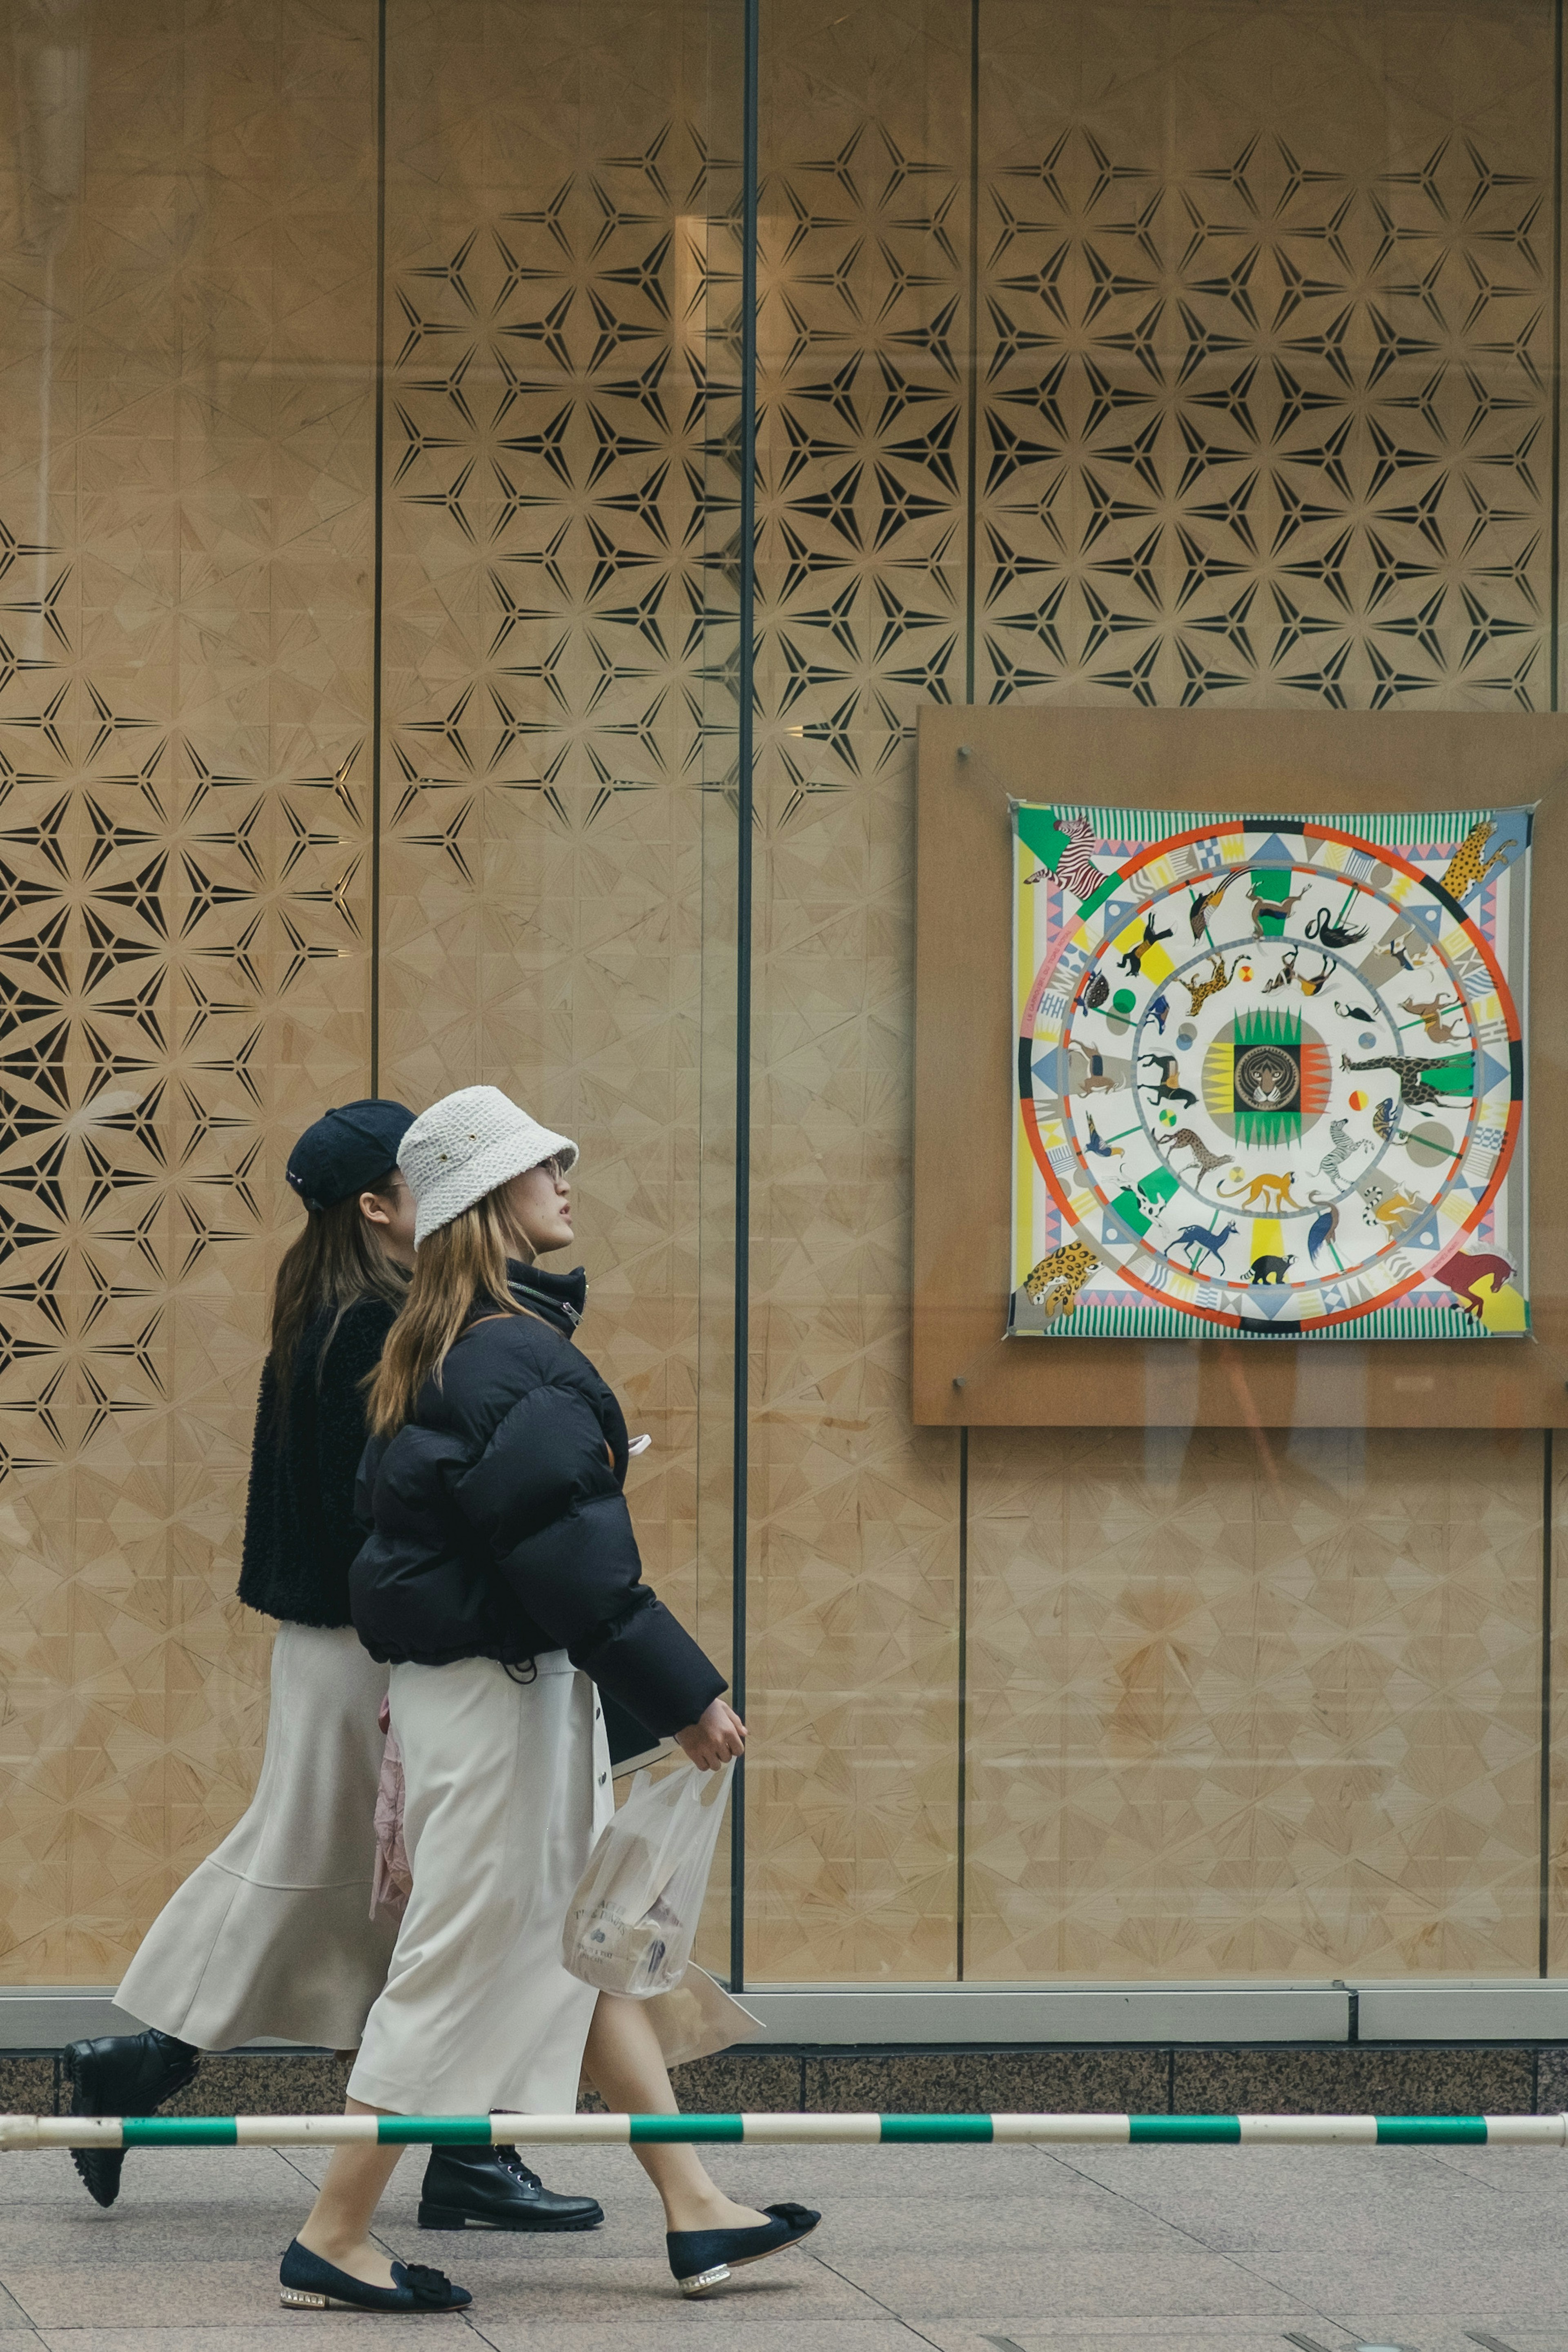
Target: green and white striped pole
18, 2132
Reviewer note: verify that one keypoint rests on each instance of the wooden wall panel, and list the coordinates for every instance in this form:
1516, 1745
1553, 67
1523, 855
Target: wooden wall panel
1266, 421
1261, 413
186, 495
1267, 354
555, 904
851, 1824
1254, 1705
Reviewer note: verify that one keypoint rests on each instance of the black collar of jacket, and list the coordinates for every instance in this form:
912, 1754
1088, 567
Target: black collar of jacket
559, 1298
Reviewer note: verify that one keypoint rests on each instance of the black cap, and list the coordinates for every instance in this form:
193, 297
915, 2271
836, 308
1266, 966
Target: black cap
347, 1150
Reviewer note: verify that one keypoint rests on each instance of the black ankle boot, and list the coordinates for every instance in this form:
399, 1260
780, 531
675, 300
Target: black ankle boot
123, 2074
479, 2187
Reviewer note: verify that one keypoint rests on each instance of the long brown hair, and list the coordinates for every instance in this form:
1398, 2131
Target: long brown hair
459, 1266
334, 1264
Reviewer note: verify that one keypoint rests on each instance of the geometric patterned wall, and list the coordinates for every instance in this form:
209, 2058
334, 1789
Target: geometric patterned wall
184, 908
552, 902
1269, 409
1261, 413
1218, 369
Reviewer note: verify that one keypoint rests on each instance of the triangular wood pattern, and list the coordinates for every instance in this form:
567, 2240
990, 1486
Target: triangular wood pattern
184, 537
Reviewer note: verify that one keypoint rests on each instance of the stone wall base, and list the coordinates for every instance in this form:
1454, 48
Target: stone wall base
1362, 2078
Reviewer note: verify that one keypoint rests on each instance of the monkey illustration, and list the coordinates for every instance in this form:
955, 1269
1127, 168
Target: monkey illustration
1279, 1186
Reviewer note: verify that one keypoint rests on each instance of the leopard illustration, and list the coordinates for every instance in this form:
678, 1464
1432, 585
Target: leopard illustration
1200, 991
1062, 1275
1466, 872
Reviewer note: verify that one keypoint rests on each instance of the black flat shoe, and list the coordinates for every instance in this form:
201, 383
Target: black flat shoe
701, 2260
305, 2283
473, 2187
123, 2074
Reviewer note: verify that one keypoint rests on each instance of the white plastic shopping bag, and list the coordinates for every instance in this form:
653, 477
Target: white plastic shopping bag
630, 1926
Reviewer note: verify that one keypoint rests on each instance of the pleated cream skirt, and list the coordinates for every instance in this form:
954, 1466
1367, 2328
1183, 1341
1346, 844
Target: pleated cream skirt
272, 1935
507, 1785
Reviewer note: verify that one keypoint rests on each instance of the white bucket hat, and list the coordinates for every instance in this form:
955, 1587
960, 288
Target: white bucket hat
467, 1144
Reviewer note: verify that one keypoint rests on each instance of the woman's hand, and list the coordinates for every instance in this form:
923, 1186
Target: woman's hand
719, 1734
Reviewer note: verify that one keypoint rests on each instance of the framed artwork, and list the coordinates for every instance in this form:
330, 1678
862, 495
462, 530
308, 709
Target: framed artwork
1270, 1074
1151, 1185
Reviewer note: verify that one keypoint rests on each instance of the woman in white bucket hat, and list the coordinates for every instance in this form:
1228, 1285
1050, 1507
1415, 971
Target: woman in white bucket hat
502, 1583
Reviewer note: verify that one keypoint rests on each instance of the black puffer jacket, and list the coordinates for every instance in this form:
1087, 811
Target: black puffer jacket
500, 1529
301, 1532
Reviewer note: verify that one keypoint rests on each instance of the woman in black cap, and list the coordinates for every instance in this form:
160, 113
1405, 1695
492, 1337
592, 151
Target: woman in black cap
273, 1934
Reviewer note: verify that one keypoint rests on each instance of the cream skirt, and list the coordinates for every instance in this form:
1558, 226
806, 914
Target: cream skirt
273, 1934
507, 1785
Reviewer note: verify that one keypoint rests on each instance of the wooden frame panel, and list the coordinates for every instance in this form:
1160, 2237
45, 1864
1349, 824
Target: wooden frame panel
1271, 762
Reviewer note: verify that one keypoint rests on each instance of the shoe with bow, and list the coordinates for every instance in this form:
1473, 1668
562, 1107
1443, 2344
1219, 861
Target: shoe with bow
306, 2282
701, 2260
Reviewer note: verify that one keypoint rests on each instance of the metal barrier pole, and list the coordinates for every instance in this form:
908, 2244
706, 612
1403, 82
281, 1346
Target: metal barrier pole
22, 2132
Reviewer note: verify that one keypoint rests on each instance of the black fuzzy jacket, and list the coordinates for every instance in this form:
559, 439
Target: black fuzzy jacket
301, 1532
499, 1526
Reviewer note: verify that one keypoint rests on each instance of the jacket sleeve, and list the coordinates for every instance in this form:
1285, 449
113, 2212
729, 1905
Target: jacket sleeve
548, 1505
340, 1428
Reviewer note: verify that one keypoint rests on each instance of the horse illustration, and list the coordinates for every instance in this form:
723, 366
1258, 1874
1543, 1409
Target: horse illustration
1166, 1088
1462, 1272
1431, 1016
1096, 1080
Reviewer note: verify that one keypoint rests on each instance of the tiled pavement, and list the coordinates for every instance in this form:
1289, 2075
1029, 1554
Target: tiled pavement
964, 2250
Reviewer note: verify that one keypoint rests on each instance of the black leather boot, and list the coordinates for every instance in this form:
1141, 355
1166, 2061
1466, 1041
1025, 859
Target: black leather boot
123, 2074
479, 2187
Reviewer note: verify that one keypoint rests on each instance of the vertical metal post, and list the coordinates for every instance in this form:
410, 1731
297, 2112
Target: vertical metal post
378, 550
1546, 1502
743, 819
962, 1853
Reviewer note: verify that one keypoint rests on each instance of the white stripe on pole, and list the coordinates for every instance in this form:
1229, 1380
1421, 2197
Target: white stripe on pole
782, 2130
1308, 2130
1527, 2131
300, 2131
1115, 2130
506, 2131
63, 2131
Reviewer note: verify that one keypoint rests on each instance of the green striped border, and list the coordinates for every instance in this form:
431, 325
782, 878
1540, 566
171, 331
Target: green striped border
229, 2131
1152, 1322
1395, 828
